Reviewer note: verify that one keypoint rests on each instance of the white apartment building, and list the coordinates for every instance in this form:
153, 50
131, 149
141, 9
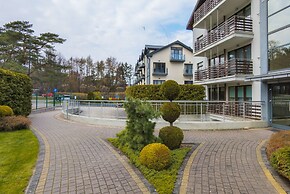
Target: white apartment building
156, 64
242, 53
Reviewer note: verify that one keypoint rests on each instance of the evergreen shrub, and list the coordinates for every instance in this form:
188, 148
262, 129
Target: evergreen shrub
155, 156
170, 111
139, 126
5, 111
15, 91
153, 92
171, 136
170, 89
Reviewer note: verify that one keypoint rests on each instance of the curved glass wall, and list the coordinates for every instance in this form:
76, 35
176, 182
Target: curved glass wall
278, 34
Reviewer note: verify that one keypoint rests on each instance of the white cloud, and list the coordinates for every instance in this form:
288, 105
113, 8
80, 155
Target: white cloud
105, 28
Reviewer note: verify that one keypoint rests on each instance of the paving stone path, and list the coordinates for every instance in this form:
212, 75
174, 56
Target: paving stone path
77, 160
227, 162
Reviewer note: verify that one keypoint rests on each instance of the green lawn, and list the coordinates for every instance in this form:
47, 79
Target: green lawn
18, 155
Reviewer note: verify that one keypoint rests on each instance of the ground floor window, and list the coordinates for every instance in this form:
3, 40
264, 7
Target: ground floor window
240, 93
157, 82
280, 103
216, 93
188, 82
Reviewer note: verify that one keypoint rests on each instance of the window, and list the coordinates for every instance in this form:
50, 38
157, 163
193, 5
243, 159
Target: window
176, 54
241, 53
240, 93
188, 82
158, 82
216, 93
159, 67
278, 35
187, 69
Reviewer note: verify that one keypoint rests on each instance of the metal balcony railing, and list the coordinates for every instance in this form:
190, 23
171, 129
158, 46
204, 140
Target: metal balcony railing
206, 7
177, 58
232, 25
161, 72
229, 68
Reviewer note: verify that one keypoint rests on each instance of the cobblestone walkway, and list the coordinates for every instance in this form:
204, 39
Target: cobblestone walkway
78, 161
227, 162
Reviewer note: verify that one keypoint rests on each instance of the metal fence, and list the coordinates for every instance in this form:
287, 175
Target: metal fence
39, 102
198, 110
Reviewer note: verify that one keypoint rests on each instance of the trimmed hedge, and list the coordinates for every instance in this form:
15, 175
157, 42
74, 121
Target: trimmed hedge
171, 136
15, 91
153, 92
13, 123
170, 89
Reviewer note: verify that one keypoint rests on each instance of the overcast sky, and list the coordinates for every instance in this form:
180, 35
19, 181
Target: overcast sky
104, 28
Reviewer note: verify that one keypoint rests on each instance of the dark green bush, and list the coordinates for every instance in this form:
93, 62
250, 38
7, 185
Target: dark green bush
16, 91
5, 111
153, 92
171, 136
139, 128
91, 96
13, 123
155, 156
170, 111
280, 160
170, 89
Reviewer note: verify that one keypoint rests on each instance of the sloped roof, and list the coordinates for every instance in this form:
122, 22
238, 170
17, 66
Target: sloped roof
169, 45
191, 19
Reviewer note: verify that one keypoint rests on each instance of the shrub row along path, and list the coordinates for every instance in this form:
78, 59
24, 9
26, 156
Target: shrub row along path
78, 160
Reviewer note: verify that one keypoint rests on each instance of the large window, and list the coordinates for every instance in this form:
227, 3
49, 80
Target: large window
241, 53
216, 93
176, 54
159, 68
240, 93
278, 34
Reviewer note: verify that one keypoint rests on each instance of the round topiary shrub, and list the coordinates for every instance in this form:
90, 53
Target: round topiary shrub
5, 111
170, 89
170, 111
171, 136
155, 156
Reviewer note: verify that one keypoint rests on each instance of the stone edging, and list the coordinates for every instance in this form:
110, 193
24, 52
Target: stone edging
31, 188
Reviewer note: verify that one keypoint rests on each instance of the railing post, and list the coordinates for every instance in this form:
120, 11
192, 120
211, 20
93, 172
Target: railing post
224, 111
244, 110
89, 109
201, 112
66, 109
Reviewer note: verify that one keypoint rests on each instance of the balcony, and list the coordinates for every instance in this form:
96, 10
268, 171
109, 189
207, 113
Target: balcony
187, 72
234, 25
204, 9
177, 58
230, 68
160, 72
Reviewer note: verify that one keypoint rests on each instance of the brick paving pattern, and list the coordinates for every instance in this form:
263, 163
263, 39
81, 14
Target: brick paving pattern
79, 162
227, 162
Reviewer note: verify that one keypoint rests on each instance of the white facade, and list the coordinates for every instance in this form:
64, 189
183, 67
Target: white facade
242, 53
157, 64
